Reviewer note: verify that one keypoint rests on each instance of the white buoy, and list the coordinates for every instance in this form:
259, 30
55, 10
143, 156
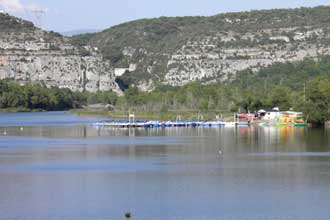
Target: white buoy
220, 152
22, 128
5, 133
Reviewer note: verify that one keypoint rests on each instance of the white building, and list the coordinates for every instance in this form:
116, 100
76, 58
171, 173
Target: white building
271, 115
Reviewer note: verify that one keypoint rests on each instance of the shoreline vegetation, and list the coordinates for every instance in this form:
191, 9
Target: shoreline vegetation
302, 86
171, 115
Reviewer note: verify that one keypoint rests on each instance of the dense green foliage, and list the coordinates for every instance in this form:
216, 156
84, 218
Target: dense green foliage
222, 99
81, 40
36, 97
168, 33
13, 29
151, 42
293, 75
302, 86
29, 97
318, 100
105, 97
9, 24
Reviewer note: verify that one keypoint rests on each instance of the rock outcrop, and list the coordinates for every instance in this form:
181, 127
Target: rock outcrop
28, 54
203, 60
180, 50
172, 51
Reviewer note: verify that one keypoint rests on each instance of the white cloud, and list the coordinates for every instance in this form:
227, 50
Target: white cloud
12, 6
34, 6
15, 6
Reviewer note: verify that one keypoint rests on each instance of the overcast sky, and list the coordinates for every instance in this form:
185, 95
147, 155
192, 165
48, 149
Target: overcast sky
68, 15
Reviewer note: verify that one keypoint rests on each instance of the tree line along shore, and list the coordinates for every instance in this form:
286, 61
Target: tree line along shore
302, 86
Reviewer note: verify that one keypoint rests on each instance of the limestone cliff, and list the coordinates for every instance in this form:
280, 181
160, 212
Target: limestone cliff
28, 54
173, 51
179, 50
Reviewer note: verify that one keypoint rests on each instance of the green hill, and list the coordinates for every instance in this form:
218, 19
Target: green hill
178, 50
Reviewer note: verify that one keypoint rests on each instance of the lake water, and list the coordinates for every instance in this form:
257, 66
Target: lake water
55, 166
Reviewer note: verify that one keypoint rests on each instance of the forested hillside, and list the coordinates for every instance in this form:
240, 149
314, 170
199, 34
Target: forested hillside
224, 63
303, 86
180, 50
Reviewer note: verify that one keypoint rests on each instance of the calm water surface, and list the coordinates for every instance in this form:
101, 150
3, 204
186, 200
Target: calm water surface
55, 166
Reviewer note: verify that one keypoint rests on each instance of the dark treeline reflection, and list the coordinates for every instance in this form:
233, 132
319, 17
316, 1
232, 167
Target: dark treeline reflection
82, 172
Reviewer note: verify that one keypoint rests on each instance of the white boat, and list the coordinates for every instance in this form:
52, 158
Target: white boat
230, 124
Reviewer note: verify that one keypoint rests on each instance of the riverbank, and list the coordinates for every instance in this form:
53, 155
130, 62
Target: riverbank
17, 110
170, 115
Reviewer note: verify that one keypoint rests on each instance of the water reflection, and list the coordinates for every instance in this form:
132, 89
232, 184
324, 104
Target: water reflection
82, 172
75, 141
263, 138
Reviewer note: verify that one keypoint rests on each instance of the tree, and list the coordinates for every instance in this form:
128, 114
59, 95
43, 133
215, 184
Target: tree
280, 96
318, 100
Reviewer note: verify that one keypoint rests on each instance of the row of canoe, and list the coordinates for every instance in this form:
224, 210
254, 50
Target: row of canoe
171, 124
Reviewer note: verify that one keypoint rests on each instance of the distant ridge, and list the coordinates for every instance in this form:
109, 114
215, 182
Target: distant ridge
163, 51
78, 32
179, 50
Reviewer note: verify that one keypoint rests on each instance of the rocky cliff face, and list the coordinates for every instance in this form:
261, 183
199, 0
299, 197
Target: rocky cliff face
173, 51
176, 51
28, 54
204, 60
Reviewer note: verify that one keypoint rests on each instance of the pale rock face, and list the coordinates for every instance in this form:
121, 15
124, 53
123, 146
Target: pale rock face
217, 64
74, 72
53, 63
146, 86
129, 51
216, 57
281, 38
120, 71
219, 56
132, 67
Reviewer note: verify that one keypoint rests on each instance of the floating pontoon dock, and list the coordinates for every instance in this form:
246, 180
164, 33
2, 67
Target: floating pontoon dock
163, 124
